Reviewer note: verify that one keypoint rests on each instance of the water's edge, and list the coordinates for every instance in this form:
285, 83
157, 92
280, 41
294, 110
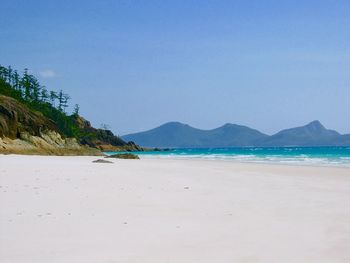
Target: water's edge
314, 156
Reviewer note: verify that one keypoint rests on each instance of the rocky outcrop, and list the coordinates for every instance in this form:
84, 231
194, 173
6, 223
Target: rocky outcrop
24, 131
48, 143
102, 139
16, 118
123, 156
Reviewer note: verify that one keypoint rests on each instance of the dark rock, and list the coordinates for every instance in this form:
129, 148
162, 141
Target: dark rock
102, 139
101, 161
124, 156
161, 149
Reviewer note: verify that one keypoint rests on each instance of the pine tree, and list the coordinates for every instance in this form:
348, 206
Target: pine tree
3, 73
32, 92
66, 97
36, 89
53, 97
27, 89
76, 109
44, 95
25, 82
9, 75
105, 126
16, 81
62, 101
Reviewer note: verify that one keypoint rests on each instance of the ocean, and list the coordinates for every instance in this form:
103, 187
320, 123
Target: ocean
314, 156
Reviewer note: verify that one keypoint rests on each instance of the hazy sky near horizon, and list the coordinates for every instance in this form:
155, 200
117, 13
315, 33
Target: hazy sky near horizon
137, 64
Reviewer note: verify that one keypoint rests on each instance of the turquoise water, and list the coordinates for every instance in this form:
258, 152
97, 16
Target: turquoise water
324, 156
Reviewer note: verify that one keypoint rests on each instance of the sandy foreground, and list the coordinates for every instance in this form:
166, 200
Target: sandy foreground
68, 209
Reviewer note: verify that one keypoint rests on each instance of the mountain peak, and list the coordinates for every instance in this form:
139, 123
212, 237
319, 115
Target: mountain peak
173, 125
227, 125
315, 123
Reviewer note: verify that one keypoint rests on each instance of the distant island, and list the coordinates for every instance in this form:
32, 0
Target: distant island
179, 135
33, 120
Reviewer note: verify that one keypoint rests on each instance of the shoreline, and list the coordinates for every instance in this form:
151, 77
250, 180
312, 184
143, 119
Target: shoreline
305, 156
302, 164
199, 159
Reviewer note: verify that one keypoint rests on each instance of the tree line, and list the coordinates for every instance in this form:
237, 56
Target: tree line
30, 90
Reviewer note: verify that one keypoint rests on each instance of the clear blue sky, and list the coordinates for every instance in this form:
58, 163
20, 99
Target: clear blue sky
137, 64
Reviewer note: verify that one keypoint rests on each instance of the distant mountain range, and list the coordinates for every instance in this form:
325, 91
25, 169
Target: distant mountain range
179, 135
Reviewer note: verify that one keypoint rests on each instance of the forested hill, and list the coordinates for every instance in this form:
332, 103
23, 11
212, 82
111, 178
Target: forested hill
29, 109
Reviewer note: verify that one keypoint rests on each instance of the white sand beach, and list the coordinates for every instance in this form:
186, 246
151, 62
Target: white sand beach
68, 209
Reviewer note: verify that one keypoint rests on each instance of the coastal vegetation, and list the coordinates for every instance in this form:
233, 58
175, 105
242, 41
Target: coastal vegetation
53, 104
28, 108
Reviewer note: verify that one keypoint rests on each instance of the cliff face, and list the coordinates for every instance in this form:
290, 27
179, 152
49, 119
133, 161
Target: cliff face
25, 131
48, 143
16, 118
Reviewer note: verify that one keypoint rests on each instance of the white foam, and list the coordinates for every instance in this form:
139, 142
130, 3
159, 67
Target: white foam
276, 159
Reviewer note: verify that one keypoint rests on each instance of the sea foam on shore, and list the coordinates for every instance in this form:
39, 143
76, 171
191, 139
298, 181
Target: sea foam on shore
314, 156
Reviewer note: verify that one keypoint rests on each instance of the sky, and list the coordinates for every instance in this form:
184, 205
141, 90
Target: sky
135, 65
